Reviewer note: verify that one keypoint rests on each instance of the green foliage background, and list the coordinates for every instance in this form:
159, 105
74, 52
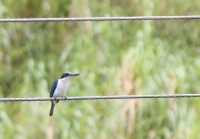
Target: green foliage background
113, 58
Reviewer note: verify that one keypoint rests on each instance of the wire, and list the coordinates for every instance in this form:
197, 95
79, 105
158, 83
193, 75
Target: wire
100, 18
103, 97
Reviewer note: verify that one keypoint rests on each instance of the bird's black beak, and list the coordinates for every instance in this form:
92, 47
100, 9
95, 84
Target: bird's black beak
73, 74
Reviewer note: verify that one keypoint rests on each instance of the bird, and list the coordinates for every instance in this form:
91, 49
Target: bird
59, 88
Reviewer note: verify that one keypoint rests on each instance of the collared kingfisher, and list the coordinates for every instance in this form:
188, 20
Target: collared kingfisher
59, 88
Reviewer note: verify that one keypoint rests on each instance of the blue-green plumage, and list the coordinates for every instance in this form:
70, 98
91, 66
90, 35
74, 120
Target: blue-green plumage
53, 88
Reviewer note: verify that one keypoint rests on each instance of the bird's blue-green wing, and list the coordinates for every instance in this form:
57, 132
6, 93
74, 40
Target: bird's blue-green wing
53, 88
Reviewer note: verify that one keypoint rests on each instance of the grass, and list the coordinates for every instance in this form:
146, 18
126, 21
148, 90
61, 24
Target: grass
113, 58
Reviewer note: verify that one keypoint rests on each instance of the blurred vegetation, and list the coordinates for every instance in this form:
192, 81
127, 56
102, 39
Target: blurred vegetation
113, 58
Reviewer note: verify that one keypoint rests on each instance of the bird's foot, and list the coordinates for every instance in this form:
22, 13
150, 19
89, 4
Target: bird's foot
65, 97
55, 98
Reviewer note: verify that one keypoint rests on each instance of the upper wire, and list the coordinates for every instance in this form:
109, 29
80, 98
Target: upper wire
102, 97
100, 18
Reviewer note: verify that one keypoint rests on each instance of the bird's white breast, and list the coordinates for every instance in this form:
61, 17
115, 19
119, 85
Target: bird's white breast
61, 88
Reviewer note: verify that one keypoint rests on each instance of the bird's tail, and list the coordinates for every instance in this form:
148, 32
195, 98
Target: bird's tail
52, 108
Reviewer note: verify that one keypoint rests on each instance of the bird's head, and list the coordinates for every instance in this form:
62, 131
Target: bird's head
69, 75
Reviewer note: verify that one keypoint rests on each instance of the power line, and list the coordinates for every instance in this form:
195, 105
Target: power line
103, 97
100, 18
